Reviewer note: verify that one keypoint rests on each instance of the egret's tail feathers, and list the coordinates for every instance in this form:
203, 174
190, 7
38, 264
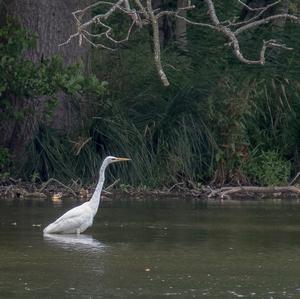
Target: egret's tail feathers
49, 229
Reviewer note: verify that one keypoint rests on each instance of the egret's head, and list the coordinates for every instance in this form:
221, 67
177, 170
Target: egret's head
108, 160
112, 159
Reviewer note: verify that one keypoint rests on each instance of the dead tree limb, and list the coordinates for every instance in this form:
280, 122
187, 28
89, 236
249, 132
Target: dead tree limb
142, 14
156, 44
294, 179
58, 182
110, 187
226, 192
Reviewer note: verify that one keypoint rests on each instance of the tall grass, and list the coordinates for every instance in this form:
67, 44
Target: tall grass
161, 155
53, 154
167, 144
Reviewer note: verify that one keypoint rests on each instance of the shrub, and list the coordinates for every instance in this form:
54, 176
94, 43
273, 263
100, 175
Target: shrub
268, 168
5, 161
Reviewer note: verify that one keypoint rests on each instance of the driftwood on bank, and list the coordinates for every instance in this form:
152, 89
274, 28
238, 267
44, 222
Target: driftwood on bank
227, 192
18, 191
50, 188
60, 183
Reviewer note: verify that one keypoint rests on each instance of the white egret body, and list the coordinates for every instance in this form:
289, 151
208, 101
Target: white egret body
78, 219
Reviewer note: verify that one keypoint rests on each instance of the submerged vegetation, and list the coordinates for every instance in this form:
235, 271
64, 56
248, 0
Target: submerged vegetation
220, 122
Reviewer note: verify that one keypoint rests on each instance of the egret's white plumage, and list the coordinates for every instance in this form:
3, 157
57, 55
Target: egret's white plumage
78, 219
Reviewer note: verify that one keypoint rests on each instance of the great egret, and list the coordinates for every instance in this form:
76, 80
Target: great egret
78, 219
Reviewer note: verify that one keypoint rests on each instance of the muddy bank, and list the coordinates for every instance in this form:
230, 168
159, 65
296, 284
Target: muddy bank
56, 190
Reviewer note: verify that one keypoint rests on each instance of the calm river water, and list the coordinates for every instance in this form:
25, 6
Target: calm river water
153, 249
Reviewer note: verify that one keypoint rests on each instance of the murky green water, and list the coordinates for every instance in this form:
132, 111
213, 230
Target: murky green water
153, 249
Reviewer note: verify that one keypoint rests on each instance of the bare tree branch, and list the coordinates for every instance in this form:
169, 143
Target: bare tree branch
142, 14
266, 21
157, 55
232, 35
258, 8
261, 10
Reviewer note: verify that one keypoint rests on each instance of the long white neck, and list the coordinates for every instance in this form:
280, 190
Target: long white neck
95, 200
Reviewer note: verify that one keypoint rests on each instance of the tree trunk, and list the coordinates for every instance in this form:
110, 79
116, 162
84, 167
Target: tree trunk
164, 24
52, 23
180, 30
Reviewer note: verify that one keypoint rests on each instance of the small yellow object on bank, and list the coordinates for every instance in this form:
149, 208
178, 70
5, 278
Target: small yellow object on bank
57, 196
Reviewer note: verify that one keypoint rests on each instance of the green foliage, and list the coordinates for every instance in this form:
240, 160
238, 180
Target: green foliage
54, 154
161, 154
268, 168
274, 120
4, 157
5, 161
205, 125
203, 128
21, 79
22, 82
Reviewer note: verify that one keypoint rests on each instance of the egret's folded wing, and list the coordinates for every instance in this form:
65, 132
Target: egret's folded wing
68, 225
73, 213
70, 221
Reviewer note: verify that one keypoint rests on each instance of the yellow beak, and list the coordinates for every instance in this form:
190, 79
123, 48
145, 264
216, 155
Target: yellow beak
121, 159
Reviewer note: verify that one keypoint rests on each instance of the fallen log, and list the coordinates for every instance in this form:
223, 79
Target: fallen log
225, 192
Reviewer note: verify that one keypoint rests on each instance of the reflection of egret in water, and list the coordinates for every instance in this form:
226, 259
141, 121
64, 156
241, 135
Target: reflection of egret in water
75, 242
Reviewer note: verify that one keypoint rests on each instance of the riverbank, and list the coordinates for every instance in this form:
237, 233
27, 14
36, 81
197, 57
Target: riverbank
56, 190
